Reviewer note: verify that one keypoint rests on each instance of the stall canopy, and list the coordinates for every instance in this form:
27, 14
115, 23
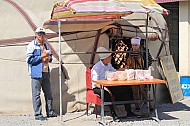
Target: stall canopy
166, 1
76, 12
106, 8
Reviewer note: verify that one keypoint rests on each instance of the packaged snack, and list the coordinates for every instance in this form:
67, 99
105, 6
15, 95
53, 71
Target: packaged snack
139, 74
141, 78
110, 75
121, 75
130, 74
147, 74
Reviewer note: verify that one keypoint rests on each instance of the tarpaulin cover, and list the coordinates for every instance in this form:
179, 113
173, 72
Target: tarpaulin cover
103, 8
82, 15
166, 1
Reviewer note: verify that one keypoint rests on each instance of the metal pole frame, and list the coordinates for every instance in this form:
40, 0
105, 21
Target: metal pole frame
60, 63
147, 41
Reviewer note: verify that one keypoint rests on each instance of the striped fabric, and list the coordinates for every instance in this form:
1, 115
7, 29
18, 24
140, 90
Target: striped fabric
63, 10
85, 15
166, 1
104, 8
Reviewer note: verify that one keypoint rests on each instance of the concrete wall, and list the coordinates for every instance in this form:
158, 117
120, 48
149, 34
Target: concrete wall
184, 38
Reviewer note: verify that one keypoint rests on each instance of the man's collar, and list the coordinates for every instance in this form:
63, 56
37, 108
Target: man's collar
36, 42
103, 63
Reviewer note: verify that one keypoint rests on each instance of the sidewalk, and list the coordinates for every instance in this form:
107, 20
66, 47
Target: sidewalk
169, 114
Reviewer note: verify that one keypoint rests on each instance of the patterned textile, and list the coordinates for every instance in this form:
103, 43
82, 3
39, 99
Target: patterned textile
120, 58
77, 15
103, 8
166, 1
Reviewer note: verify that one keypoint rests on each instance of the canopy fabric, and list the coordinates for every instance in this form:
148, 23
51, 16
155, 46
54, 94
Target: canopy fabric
77, 25
106, 8
166, 1
77, 14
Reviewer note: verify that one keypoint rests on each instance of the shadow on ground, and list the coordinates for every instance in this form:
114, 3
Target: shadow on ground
165, 112
169, 108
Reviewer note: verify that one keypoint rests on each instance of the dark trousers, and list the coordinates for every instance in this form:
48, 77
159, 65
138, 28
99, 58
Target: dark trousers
44, 84
107, 98
123, 93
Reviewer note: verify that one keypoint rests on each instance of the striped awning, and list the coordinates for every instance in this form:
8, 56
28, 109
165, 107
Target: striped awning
166, 1
103, 8
82, 15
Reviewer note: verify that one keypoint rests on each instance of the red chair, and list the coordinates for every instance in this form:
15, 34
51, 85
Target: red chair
91, 97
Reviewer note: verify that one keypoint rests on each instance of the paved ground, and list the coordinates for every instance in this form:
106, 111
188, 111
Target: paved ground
169, 114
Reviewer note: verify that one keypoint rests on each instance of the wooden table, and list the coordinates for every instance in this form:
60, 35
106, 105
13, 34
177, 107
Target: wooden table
106, 83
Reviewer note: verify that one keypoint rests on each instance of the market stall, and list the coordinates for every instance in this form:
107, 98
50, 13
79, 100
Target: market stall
83, 26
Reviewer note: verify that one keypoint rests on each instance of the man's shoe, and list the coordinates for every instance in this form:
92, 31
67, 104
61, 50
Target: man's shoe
114, 116
40, 117
52, 115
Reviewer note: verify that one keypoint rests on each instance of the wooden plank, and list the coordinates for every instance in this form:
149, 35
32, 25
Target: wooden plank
129, 82
172, 78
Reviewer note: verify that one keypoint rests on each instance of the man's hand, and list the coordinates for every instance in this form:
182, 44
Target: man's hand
44, 54
105, 88
46, 60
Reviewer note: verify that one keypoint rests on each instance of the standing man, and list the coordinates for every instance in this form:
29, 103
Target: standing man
38, 56
136, 59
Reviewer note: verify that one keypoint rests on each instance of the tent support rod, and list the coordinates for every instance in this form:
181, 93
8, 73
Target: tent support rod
60, 63
160, 49
99, 52
147, 41
95, 46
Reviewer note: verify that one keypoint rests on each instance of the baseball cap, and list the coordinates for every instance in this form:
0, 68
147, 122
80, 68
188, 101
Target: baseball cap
40, 29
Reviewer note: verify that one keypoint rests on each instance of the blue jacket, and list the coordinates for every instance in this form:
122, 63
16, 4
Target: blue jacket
34, 60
